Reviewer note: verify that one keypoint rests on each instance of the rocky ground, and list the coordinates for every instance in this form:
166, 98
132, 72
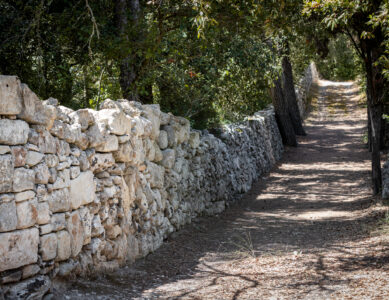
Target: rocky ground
308, 230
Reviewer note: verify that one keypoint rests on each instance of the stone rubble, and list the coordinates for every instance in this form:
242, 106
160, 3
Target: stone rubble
89, 190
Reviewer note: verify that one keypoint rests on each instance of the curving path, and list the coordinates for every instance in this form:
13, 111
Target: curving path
303, 232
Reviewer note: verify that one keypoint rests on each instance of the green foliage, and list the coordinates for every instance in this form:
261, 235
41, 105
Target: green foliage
342, 62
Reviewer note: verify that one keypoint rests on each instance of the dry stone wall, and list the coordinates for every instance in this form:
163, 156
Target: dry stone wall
304, 86
89, 190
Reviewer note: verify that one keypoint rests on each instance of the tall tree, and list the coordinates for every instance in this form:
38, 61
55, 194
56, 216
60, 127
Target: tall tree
359, 19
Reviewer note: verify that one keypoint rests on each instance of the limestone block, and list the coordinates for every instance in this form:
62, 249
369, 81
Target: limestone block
171, 135
58, 221
163, 139
33, 158
34, 111
63, 180
152, 113
82, 190
27, 213
110, 144
43, 213
116, 121
158, 153
23, 179
74, 172
4, 149
125, 153
10, 95
45, 229
53, 175
194, 139
63, 113
76, 231
48, 246
64, 249
30, 270
101, 161
51, 160
123, 138
168, 158
141, 127
84, 117
22, 196
46, 142
114, 232
164, 118
6, 173
86, 220
13, 132
156, 175
42, 174
18, 248
97, 228
96, 135
19, 154
32, 288
8, 217
59, 200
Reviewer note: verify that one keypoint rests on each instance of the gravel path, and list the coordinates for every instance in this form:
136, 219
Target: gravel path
306, 231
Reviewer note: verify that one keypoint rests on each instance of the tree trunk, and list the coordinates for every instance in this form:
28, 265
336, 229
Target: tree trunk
282, 115
375, 94
290, 96
127, 66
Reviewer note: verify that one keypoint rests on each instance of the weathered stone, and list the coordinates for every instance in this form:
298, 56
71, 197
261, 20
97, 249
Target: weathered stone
194, 139
51, 160
6, 173
168, 158
125, 153
51, 101
82, 190
42, 174
76, 231
10, 95
63, 180
34, 111
4, 149
46, 142
13, 132
4, 198
86, 220
152, 113
58, 221
123, 138
64, 249
19, 154
53, 175
8, 218
110, 144
65, 269
164, 118
97, 228
43, 213
45, 229
33, 158
163, 139
84, 117
23, 179
10, 276
48, 246
115, 120
74, 172
59, 200
156, 175
30, 270
27, 213
114, 232
171, 135
33, 288
63, 113
22, 196
101, 161
18, 248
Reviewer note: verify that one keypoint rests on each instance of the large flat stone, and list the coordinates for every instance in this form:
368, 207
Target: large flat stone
27, 212
82, 190
18, 248
32, 288
13, 132
10, 95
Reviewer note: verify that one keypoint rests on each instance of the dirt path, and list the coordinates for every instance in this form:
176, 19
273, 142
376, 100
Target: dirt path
303, 232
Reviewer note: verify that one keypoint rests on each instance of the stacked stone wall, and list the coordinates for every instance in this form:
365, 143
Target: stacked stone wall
89, 190
304, 87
